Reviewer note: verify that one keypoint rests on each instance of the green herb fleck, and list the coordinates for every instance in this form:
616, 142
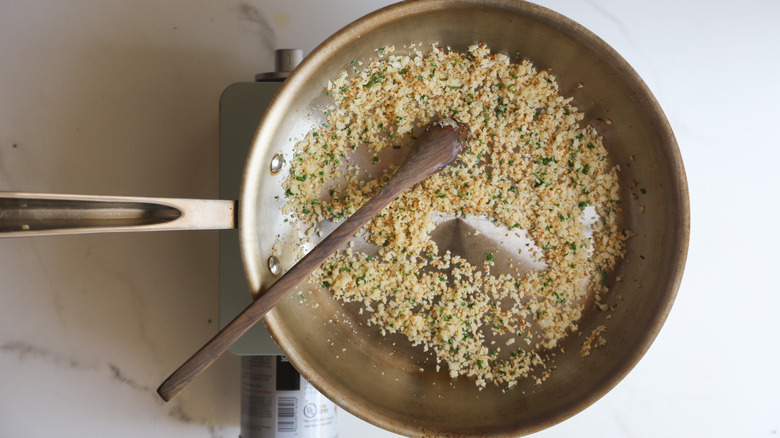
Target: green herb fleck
375, 78
604, 276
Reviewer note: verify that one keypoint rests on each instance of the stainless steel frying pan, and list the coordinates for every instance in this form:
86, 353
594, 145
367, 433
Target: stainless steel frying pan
379, 379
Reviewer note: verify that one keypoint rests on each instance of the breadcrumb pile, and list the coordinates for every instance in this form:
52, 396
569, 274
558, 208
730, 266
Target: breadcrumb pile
528, 167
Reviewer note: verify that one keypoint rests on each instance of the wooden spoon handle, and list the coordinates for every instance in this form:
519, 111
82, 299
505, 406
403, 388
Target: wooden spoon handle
433, 152
222, 341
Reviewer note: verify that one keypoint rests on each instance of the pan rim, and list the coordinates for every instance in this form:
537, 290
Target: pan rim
249, 200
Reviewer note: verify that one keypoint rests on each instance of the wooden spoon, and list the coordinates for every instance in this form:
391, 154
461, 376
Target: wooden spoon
438, 146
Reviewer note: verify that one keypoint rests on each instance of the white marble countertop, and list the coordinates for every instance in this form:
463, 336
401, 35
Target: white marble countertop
121, 98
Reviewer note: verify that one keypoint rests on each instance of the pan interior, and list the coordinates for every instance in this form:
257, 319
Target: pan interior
383, 379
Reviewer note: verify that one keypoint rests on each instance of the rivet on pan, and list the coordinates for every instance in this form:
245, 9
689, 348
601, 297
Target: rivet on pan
276, 164
274, 265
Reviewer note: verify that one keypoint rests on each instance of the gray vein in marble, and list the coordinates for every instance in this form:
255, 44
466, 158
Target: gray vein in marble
53, 289
119, 376
177, 413
136, 299
25, 351
252, 14
627, 432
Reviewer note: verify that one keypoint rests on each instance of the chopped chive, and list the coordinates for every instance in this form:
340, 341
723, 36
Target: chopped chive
604, 276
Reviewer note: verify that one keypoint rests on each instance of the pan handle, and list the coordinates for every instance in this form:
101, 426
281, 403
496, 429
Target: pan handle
38, 214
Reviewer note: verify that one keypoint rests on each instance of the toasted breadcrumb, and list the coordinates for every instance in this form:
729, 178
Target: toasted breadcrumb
594, 340
528, 165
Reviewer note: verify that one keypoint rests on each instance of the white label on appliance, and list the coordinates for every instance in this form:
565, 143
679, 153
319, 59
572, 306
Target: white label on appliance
279, 403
